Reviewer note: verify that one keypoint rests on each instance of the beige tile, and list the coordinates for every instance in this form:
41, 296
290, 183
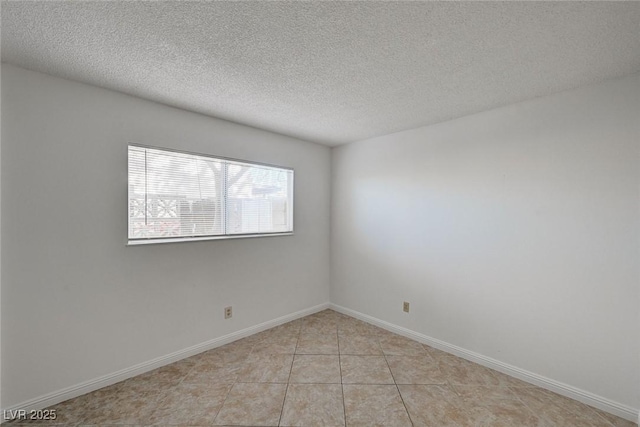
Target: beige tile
415, 370
165, 376
119, 407
242, 346
323, 343
502, 413
354, 326
313, 405
190, 405
395, 345
320, 369
380, 333
365, 370
435, 353
359, 344
70, 412
320, 314
223, 356
270, 368
533, 397
280, 344
481, 393
105, 397
558, 410
435, 406
250, 341
261, 336
316, 325
252, 404
289, 328
374, 405
496, 406
509, 381
460, 371
190, 392
136, 385
190, 360
613, 419
213, 373
328, 314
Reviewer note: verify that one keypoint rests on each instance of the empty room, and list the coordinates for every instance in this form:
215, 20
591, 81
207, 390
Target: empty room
320, 213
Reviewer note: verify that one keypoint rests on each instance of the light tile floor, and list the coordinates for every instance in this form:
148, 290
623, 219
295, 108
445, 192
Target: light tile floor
327, 369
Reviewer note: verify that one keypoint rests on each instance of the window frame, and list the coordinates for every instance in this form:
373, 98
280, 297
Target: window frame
183, 239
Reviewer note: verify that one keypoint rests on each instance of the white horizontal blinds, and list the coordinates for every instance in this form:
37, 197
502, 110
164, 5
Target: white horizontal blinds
181, 195
174, 194
137, 191
259, 199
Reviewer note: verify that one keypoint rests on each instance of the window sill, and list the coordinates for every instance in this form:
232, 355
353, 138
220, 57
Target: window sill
200, 239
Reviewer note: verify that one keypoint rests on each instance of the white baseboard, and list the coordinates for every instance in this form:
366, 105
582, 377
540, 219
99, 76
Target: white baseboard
58, 396
575, 393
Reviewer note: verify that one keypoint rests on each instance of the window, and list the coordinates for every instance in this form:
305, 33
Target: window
176, 196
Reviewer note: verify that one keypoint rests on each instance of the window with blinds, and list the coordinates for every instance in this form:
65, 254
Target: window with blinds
177, 196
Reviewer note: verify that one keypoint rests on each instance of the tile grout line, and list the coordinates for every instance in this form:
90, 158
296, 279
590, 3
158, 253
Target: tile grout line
544, 418
598, 415
448, 383
293, 359
456, 390
230, 388
344, 405
396, 384
223, 402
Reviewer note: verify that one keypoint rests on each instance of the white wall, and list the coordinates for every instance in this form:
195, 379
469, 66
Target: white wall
0, 222
514, 233
76, 302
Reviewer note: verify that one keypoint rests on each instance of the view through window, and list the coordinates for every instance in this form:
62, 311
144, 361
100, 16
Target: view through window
183, 196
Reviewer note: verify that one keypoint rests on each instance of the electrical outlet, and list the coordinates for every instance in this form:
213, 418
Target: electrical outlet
228, 312
405, 307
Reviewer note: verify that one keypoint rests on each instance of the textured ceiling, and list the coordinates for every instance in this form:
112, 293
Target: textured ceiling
330, 72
